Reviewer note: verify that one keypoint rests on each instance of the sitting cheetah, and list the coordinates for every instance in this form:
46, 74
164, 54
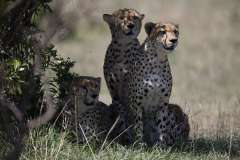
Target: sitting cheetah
86, 116
172, 123
149, 79
97, 122
125, 25
85, 113
182, 126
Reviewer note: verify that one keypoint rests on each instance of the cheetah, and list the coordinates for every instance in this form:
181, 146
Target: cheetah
172, 123
125, 25
97, 124
149, 78
87, 117
85, 113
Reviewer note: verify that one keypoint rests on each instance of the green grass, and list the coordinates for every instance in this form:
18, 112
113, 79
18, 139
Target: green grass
47, 143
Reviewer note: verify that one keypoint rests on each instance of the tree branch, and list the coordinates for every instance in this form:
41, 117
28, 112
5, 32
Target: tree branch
41, 41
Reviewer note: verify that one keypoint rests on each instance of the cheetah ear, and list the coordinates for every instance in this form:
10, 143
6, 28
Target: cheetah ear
85, 82
177, 26
110, 19
142, 16
99, 80
149, 26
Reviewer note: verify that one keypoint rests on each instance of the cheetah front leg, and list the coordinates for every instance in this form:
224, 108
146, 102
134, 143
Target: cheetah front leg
112, 81
137, 121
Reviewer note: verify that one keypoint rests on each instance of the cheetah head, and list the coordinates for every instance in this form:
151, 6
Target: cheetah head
164, 35
86, 89
124, 24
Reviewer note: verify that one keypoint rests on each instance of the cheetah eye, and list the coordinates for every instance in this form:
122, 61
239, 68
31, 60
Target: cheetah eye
135, 17
162, 32
121, 17
175, 31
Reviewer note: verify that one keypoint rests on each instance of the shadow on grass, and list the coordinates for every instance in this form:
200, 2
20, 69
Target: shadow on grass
199, 146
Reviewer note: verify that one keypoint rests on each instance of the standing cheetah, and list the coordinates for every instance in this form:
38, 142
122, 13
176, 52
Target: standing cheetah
150, 79
125, 25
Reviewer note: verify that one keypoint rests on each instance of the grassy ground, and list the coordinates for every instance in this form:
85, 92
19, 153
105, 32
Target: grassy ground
46, 143
205, 69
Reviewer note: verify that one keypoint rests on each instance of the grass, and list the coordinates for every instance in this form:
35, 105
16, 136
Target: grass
47, 143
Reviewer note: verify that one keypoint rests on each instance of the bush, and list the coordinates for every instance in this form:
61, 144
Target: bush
26, 56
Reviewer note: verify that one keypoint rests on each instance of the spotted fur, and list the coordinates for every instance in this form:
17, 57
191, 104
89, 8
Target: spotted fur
168, 127
93, 125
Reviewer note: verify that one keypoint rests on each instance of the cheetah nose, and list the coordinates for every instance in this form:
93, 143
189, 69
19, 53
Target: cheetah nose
174, 40
94, 96
130, 25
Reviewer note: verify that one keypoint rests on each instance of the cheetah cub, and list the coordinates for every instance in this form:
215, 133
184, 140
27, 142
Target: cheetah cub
150, 79
87, 117
172, 127
125, 25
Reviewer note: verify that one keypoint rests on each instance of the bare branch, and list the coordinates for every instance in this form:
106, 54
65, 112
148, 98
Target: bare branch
48, 115
15, 135
11, 106
12, 6
41, 41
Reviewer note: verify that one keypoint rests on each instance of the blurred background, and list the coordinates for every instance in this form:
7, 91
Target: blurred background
205, 65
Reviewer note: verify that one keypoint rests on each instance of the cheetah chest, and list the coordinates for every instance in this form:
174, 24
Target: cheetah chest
154, 81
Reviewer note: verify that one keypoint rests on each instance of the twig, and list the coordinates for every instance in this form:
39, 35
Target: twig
94, 157
41, 41
113, 126
75, 117
118, 136
231, 139
47, 116
12, 6
65, 105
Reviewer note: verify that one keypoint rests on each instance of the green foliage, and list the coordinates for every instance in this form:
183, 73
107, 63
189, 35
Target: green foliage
61, 67
16, 46
14, 74
17, 53
64, 76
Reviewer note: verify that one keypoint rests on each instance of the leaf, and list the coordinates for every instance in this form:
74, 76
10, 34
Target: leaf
19, 90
